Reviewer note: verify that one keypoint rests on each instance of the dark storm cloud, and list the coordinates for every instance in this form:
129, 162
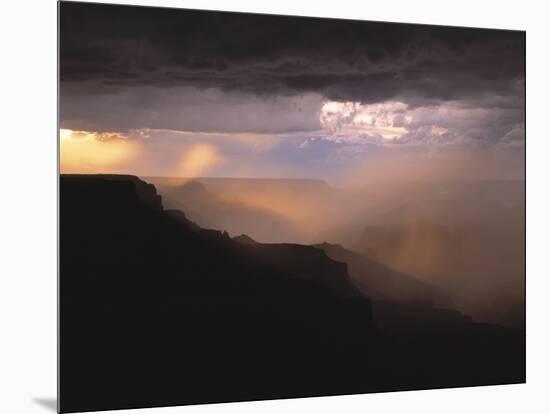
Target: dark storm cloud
118, 47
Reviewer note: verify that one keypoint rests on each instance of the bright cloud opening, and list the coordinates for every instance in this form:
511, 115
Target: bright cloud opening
353, 119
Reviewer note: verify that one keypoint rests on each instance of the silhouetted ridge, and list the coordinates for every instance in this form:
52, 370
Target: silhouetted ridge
218, 182
190, 189
244, 239
240, 205
379, 281
121, 190
305, 262
182, 219
155, 310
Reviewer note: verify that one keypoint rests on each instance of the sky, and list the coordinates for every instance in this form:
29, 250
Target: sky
173, 92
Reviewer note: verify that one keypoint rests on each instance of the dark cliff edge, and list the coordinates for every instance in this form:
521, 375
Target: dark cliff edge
156, 311
111, 191
381, 282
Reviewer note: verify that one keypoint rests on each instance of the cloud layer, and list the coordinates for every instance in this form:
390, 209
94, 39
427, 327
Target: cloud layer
264, 54
308, 92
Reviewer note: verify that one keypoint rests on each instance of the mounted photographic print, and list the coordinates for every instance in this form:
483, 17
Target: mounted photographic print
259, 207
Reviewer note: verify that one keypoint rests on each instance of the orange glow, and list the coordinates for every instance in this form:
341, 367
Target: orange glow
91, 152
199, 159
303, 211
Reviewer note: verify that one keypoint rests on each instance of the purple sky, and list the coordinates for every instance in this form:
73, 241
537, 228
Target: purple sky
171, 92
